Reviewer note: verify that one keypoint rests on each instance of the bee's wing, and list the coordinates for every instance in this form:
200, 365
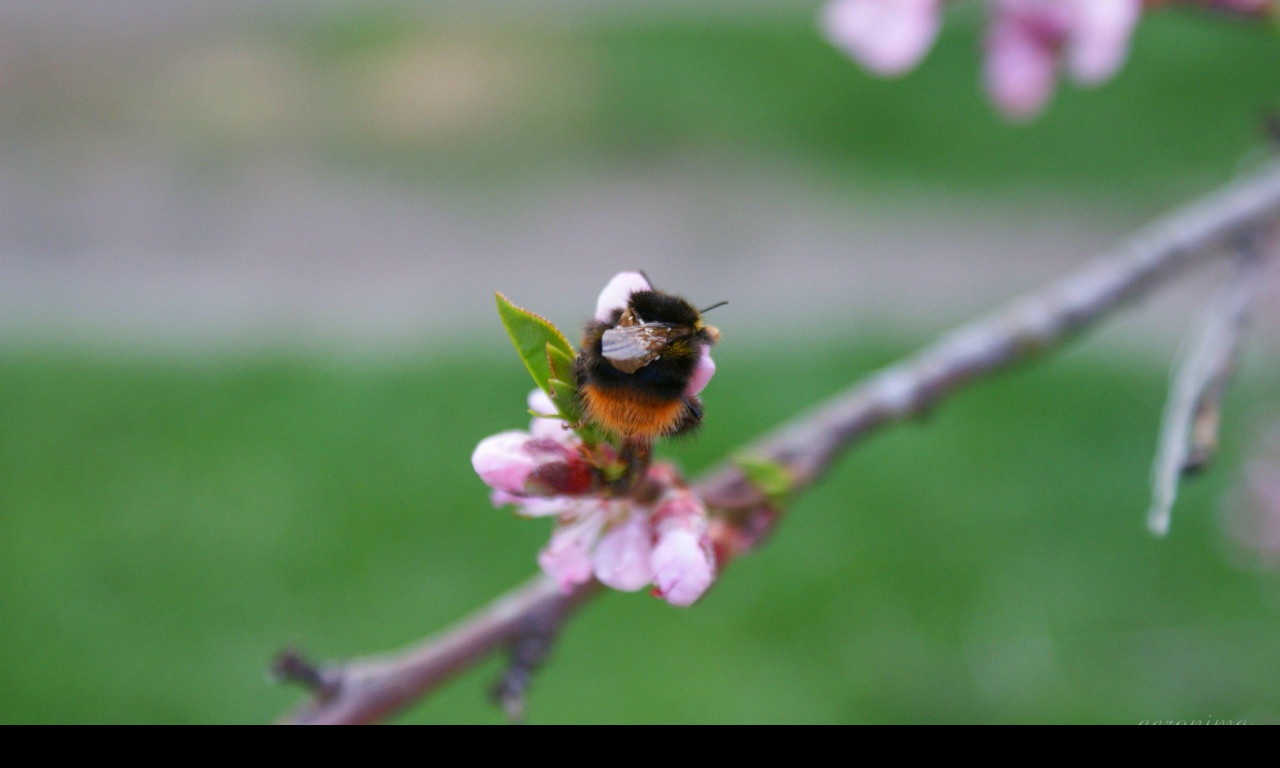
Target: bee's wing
632, 347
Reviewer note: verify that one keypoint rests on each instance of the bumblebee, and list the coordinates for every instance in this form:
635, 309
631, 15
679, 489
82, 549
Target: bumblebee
635, 368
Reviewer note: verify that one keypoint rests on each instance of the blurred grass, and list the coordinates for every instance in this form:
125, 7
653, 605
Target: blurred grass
167, 527
614, 89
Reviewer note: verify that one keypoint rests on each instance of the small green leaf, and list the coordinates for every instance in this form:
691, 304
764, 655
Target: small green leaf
533, 336
769, 477
560, 362
549, 358
566, 401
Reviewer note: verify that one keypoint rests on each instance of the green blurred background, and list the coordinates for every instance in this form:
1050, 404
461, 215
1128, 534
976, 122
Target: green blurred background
247, 346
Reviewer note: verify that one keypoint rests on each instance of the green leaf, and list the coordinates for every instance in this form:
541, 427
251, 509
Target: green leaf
560, 362
533, 336
566, 401
769, 477
549, 358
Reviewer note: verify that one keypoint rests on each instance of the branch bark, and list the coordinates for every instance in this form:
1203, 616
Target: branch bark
745, 512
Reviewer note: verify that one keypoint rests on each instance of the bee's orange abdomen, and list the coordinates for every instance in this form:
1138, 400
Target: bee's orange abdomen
631, 414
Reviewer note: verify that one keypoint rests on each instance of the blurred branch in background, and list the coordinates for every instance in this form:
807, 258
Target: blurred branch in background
747, 502
1189, 427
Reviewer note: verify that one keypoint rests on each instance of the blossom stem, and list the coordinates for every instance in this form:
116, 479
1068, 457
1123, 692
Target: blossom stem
635, 456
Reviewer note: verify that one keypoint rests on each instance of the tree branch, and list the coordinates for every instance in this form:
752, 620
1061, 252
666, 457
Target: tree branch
746, 511
1189, 426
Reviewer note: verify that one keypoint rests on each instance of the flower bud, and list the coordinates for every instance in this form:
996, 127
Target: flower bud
502, 461
683, 562
518, 463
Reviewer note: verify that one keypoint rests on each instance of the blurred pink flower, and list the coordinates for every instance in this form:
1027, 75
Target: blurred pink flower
1027, 38
1099, 45
888, 37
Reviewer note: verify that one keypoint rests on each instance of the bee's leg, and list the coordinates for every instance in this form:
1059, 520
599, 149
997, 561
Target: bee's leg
692, 416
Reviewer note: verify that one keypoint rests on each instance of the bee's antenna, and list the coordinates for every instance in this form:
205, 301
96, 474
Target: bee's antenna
646, 277
713, 306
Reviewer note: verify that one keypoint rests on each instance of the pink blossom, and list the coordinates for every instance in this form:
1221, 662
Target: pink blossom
622, 558
889, 37
535, 506
517, 462
503, 462
625, 544
567, 557
616, 294
683, 562
1019, 69
1099, 43
1027, 38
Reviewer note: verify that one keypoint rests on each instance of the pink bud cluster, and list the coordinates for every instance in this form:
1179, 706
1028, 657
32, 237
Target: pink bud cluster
1029, 43
622, 542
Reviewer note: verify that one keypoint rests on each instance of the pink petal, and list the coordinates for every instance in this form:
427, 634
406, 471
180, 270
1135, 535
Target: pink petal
682, 566
502, 461
617, 292
535, 506
701, 375
621, 558
1099, 39
1019, 69
683, 563
548, 429
567, 557
888, 37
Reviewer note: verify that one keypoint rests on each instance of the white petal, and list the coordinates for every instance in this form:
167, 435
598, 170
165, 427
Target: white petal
617, 292
548, 429
1099, 40
889, 37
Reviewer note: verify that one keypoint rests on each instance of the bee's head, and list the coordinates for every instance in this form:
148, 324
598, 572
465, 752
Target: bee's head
658, 307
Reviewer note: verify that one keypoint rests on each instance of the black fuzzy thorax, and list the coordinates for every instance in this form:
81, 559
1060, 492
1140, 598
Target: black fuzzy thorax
666, 377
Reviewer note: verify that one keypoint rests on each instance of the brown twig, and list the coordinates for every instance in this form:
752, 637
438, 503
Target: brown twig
1189, 426
746, 512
